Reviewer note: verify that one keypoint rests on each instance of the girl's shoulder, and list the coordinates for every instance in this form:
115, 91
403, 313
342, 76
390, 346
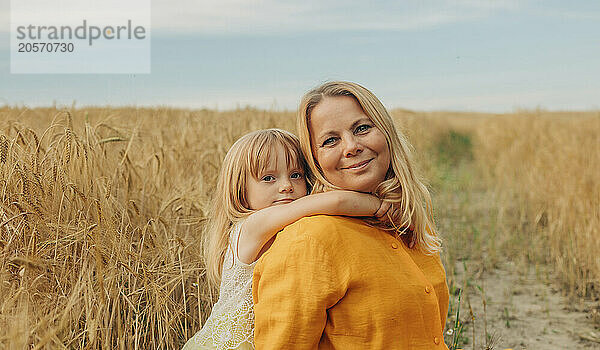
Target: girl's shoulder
234, 240
236, 228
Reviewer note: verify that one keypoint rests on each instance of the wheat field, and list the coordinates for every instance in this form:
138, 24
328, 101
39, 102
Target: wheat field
101, 210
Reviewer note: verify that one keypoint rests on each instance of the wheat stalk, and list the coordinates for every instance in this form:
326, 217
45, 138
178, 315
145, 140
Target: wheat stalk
3, 149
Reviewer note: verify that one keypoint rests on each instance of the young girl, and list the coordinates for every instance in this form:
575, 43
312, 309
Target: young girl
261, 189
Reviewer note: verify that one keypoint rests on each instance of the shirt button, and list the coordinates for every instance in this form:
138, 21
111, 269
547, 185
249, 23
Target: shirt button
395, 245
436, 340
427, 289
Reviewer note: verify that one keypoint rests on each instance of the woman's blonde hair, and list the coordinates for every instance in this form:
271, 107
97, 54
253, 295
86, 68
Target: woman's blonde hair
249, 156
402, 187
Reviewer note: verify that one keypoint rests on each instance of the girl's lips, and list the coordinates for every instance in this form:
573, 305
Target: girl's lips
282, 201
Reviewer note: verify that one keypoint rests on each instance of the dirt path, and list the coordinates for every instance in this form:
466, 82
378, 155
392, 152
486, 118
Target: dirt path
525, 312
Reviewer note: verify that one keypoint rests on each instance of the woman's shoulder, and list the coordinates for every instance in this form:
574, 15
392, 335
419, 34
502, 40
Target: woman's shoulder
322, 228
318, 235
321, 221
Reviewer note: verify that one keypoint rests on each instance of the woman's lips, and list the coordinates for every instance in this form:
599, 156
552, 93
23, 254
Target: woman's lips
359, 165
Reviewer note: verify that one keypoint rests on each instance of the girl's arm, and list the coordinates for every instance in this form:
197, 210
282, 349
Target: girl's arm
262, 225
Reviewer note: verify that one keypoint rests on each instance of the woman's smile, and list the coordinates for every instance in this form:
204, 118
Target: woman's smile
359, 166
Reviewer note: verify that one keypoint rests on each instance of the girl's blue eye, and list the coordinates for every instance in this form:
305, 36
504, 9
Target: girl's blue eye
297, 176
268, 178
363, 128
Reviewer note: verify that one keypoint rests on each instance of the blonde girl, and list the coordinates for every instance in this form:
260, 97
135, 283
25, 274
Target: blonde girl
261, 189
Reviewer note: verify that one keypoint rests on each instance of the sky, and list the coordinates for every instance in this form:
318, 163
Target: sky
463, 55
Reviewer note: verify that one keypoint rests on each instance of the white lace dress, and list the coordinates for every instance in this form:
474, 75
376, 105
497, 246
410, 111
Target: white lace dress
231, 322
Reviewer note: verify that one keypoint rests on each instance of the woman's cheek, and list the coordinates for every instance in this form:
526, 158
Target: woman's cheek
327, 159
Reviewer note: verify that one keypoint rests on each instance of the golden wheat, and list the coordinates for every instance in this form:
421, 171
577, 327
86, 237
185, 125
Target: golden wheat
100, 223
3, 149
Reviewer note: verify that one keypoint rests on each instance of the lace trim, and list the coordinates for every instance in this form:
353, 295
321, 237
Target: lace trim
228, 330
231, 322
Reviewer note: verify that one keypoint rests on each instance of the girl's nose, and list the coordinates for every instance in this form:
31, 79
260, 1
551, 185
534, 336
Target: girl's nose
286, 186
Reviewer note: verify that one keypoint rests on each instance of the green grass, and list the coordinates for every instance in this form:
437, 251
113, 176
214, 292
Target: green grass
467, 222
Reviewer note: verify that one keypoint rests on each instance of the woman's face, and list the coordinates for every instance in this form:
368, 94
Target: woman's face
352, 152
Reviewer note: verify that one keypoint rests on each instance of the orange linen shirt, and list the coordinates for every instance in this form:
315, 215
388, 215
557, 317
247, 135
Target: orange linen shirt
331, 282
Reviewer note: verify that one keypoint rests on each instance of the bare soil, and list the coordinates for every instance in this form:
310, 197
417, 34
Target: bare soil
524, 310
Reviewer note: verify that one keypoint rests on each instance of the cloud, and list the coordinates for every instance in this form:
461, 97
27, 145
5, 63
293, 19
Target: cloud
4, 16
493, 5
567, 14
230, 17
277, 16
223, 17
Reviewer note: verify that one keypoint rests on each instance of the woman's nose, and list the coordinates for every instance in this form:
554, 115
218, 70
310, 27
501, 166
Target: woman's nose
351, 146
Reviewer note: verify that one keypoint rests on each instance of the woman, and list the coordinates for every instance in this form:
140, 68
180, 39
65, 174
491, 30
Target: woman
332, 282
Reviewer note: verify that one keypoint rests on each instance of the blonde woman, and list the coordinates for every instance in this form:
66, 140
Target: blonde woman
332, 282
261, 188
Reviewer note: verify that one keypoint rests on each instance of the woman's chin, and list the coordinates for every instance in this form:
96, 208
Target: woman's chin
361, 186
365, 182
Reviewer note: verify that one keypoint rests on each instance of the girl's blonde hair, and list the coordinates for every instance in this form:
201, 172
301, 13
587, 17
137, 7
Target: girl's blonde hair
402, 187
249, 156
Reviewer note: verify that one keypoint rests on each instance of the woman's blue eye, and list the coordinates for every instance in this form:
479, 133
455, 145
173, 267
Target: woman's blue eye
297, 176
363, 128
268, 178
329, 141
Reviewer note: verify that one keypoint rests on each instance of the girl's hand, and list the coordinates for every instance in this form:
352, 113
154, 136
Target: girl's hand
388, 214
384, 207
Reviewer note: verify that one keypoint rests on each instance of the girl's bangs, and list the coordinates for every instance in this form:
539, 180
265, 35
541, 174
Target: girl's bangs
261, 153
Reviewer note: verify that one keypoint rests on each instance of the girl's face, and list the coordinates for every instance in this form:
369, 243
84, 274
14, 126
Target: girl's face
280, 183
351, 151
